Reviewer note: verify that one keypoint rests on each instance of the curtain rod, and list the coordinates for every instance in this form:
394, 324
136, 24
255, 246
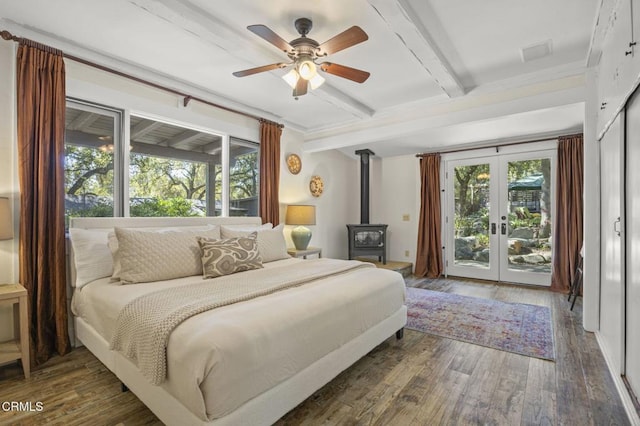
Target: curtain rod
186, 97
496, 146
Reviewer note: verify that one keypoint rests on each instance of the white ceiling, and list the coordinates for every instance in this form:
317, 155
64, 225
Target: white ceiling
443, 72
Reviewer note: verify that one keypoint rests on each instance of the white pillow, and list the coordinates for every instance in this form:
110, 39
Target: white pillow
230, 229
113, 241
92, 257
271, 243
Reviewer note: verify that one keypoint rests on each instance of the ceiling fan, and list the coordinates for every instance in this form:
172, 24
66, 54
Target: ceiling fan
304, 52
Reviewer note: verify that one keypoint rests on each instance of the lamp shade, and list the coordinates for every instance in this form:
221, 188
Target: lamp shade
300, 215
6, 224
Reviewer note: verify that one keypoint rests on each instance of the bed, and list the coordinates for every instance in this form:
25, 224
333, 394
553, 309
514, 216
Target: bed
242, 363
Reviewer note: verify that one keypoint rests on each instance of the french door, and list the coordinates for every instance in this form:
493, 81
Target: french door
499, 217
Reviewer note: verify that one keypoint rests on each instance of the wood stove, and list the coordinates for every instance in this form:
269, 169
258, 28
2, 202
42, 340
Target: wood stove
366, 239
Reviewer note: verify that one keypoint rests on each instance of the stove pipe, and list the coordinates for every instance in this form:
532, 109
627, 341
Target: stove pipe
364, 184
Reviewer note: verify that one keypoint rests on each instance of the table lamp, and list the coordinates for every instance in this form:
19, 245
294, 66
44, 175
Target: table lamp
300, 215
6, 224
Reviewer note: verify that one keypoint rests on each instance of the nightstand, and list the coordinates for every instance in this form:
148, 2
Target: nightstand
18, 348
304, 253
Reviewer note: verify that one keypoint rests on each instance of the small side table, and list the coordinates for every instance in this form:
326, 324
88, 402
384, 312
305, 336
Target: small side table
304, 253
18, 348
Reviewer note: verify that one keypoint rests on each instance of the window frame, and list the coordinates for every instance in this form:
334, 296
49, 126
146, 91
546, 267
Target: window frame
118, 116
121, 157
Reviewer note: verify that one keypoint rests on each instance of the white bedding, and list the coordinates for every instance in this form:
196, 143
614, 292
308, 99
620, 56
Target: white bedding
220, 359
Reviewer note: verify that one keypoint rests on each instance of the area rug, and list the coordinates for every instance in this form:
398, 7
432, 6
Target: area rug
512, 327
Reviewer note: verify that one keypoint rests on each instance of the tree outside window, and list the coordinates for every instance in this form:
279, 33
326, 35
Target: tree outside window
173, 170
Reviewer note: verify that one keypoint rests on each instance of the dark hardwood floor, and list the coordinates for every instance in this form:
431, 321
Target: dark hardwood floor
419, 380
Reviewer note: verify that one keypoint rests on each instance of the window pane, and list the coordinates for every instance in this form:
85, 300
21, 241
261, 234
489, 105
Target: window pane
90, 138
171, 168
530, 218
471, 220
244, 175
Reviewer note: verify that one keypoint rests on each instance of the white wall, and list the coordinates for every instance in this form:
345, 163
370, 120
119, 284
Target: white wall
395, 187
339, 202
8, 176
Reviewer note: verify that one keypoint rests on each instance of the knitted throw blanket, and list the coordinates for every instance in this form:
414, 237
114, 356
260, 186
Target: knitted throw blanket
144, 324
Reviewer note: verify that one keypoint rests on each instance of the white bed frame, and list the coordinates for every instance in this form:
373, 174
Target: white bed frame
264, 409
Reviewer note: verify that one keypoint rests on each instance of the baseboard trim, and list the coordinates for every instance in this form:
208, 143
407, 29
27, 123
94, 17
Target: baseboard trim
629, 407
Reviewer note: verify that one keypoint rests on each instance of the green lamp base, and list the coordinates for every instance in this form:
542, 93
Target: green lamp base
301, 236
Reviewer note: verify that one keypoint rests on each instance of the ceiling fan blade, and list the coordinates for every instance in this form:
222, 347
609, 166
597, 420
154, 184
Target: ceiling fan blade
256, 70
301, 87
273, 38
347, 38
353, 74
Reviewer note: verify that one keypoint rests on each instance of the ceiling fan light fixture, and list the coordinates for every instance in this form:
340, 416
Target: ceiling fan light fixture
316, 81
304, 51
307, 69
291, 78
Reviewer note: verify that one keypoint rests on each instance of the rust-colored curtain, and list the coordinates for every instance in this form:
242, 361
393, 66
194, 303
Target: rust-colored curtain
270, 171
567, 238
429, 250
41, 110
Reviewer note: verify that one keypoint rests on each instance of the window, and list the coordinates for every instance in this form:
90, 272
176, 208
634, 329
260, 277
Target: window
91, 137
244, 178
173, 170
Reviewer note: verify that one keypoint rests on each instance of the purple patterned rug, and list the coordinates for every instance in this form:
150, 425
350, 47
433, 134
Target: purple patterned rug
512, 327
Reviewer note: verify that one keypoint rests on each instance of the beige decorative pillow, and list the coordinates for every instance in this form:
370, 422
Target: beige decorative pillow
113, 241
228, 256
158, 256
271, 243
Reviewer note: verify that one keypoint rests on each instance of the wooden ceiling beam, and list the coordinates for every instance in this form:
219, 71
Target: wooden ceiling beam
83, 120
406, 24
181, 138
143, 127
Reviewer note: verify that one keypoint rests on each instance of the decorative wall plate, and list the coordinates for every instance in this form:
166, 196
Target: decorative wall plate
294, 164
316, 186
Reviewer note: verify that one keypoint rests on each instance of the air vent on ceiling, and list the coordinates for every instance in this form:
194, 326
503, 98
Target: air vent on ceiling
536, 51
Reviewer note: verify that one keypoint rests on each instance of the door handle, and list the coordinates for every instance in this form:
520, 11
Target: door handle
503, 228
493, 228
616, 226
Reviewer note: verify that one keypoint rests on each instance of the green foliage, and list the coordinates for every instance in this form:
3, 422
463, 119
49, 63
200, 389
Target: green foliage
474, 224
471, 188
100, 209
155, 177
483, 240
163, 186
173, 207
471, 192
519, 169
88, 171
244, 176
521, 218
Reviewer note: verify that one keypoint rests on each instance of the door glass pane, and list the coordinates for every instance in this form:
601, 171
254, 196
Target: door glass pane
244, 177
173, 170
529, 207
471, 215
90, 138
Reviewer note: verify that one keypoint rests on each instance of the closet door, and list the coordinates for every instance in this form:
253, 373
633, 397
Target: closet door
612, 243
632, 370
